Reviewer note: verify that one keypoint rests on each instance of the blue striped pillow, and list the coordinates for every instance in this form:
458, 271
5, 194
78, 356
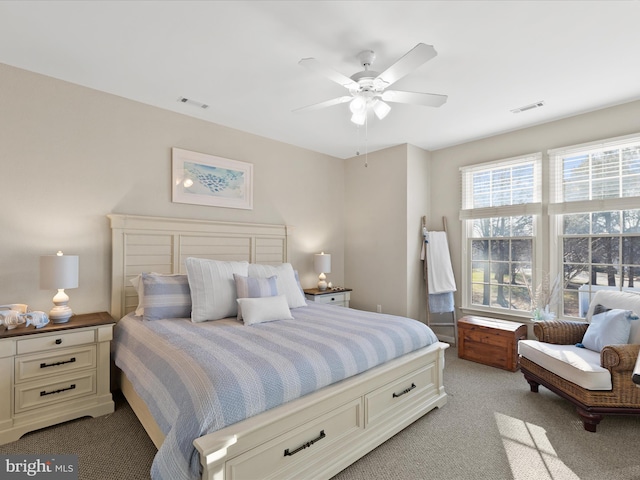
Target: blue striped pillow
254, 287
166, 296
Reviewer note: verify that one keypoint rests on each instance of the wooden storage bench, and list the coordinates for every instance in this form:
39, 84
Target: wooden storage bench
491, 342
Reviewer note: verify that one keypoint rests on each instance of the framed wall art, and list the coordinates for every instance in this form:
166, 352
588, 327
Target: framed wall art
202, 179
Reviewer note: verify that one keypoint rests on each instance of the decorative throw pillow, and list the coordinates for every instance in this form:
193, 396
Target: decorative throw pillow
250, 287
165, 296
608, 328
286, 281
264, 309
297, 276
213, 290
139, 287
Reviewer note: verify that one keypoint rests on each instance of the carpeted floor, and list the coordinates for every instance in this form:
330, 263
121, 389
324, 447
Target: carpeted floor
492, 428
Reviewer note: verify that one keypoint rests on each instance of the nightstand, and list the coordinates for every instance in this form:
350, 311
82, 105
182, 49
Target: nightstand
54, 374
338, 297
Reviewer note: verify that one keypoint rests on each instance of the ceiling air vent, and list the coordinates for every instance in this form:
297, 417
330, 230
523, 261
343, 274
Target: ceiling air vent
528, 107
193, 103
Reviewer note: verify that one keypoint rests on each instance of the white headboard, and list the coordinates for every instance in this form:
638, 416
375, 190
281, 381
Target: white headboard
157, 244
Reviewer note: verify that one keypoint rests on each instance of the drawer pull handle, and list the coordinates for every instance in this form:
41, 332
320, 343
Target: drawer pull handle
406, 390
70, 387
58, 341
287, 453
45, 365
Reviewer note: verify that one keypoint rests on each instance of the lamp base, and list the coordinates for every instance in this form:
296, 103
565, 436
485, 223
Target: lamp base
322, 282
60, 314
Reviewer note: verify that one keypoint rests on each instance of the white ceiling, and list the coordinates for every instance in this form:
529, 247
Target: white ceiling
241, 58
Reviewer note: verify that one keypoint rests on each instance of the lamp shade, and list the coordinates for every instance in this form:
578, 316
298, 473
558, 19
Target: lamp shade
322, 263
58, 271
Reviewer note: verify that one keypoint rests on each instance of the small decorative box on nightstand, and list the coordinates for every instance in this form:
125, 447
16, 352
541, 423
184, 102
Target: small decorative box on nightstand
338, 296
54, 374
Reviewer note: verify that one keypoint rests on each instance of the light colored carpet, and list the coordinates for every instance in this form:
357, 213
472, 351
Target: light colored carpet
492, 428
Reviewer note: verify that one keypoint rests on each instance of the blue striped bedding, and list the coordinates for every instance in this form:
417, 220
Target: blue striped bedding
197, 378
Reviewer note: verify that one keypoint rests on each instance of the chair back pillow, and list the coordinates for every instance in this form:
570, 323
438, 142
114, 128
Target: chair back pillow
618, 300
609, 328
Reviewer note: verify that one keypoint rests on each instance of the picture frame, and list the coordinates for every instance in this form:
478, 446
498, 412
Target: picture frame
201, 179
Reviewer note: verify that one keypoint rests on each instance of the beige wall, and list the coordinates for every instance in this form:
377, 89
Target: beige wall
445, 180
384, 203
418, 178
70, 155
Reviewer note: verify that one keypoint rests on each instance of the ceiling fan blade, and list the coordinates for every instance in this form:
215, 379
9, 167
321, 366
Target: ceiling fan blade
316, 66
415, 57
327, 103
414, 98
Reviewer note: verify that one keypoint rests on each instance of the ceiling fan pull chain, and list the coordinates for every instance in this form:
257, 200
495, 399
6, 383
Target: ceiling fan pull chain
366, 142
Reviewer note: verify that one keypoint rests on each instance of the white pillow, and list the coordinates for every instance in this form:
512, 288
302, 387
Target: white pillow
264, 309
286, 281
254, 287
608, 328
213, 290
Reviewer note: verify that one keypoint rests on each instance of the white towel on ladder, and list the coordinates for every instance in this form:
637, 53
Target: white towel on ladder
439, 270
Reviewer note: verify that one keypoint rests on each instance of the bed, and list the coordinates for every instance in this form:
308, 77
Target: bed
324, 425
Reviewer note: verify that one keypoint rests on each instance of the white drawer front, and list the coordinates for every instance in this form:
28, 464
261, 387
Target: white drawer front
336, 299
57, 341
385, 399
37, 394
29, 367
275, 458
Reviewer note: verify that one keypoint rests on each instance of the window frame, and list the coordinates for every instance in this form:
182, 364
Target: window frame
468, 214
557, 207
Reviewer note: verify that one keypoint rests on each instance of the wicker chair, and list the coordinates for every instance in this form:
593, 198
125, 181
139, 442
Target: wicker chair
623, 397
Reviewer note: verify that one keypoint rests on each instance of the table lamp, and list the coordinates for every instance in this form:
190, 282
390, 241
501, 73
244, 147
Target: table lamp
59, 272
322, 265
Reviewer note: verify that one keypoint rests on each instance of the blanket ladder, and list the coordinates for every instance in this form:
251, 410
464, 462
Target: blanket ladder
453, 323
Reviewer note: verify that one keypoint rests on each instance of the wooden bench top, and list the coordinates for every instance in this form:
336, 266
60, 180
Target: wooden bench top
489, 323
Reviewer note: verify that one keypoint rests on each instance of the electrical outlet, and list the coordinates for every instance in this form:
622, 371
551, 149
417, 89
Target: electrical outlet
379, 308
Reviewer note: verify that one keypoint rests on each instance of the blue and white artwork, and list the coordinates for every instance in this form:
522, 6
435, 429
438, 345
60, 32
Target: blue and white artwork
202, 179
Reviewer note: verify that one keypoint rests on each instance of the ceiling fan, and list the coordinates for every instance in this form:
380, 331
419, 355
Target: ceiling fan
368, 89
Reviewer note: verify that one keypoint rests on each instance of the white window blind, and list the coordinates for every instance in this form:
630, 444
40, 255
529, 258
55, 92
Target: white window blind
503, 188
597, 176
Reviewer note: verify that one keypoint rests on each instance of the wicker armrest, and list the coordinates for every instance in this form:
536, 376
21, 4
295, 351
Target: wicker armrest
620, 357
560, 332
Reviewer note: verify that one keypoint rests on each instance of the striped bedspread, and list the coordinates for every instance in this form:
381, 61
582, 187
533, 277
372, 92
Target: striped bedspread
197, 378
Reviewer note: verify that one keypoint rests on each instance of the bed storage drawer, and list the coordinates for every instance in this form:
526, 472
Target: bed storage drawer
281, 457
30, 367
384, 400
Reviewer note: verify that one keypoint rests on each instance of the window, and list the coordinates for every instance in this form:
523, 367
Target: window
501, 205
594, 207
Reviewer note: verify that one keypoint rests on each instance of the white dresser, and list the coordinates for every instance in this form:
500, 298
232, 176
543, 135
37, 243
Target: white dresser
338, 297
54, 374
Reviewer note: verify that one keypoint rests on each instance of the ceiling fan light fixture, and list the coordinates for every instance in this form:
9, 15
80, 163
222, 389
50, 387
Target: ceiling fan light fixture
358, 105
359, 118
381, 109
367, 88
